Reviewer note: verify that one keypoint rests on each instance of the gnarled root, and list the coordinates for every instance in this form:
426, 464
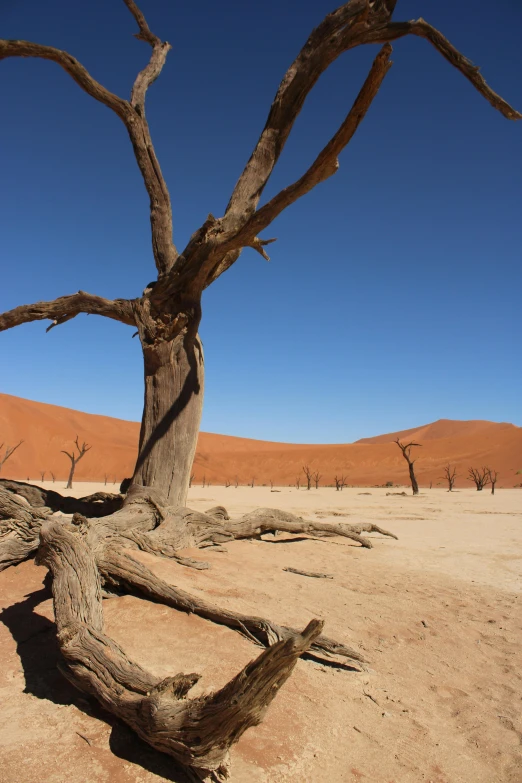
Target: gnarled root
100, 504
197, 732
265, 520
121, 570
19, 529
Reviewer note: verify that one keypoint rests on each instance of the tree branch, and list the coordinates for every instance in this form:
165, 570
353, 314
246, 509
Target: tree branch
66, 307
421, 28
133, 116
75, 69
151, 71
326, 164
216, 246
337, 32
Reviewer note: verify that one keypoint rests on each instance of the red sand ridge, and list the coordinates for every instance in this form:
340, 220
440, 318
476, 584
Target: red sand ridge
47, 429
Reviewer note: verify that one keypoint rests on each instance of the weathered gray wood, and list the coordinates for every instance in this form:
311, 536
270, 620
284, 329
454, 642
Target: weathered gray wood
197, 732
19, 528
313, 574
99, 504
174, 379
200, 731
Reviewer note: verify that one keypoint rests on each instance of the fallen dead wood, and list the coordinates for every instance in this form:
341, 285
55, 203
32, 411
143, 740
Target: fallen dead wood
314, 574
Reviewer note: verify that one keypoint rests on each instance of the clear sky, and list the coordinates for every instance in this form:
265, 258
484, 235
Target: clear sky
393, 297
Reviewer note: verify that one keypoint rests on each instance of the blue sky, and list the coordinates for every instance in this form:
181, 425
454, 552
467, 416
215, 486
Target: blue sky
393, 294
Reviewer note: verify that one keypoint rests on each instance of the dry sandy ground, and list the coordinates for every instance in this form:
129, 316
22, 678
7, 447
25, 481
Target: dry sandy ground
436, 613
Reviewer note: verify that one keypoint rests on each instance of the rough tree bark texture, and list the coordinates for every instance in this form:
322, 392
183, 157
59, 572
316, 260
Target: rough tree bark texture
86, 553
174, 383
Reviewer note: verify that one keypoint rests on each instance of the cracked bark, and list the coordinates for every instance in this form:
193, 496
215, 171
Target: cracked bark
198, 732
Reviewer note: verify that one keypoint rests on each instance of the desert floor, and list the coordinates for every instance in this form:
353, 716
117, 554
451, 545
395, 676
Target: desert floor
437, 614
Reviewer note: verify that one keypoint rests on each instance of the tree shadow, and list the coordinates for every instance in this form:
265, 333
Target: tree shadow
37, 647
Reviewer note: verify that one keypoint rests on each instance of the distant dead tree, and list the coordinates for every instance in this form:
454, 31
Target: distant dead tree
480, 477
450, 474
298, 482
203, 482
75, 458
252, 483
316, 476
106, 478
271, 484
42, 475
227, 483
53, 477
307, 470
493, 476
406, 453
191, 479
236, 482
9, 450
340, 482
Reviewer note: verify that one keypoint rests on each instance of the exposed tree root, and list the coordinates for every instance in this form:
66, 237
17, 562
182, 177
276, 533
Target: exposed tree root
197, 732
86, 555
265, 520
119, 569
19, 529
100, 504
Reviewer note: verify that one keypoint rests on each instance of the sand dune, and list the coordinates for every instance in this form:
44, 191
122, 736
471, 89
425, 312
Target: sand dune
47, 429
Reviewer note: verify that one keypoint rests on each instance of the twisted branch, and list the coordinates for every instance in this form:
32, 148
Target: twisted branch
66, 307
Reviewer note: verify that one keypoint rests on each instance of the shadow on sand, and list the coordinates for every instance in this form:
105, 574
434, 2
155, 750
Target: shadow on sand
35, 637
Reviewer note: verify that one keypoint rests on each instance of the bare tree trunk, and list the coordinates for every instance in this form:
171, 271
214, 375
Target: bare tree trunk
414, 485
171, 416
71, 475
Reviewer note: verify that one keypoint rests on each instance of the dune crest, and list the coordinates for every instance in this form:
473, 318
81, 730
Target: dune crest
46, 429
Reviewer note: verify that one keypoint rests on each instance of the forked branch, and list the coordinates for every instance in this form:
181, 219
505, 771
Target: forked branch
71, 65
75, 458
326, 164
406, 453
133, 116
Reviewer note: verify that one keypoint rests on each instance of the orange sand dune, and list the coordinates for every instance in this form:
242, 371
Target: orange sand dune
47, 429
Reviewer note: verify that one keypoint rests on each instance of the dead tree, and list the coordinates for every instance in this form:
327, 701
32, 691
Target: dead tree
191, 479
480, 477
307, 470
316, 477
9, 451
406, 453
450, 474
42, 475
106, 478
167, 315
53, 477
252, 483
236, 482
227, 483
203, 482
340, 482
493, 476
75, 458
297, 482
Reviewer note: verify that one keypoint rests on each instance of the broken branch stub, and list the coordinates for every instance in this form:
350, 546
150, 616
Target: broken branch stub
197, 732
